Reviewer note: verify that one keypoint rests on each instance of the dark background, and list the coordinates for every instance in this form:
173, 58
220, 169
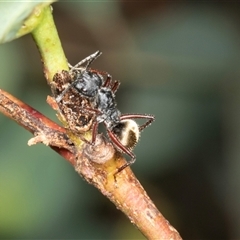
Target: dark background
178, 61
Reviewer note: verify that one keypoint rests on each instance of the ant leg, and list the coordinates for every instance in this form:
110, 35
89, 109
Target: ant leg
149, 118
108, 82
99, 72
94, 132
119, 145
129, 163
115, 86
60, 96
90, 110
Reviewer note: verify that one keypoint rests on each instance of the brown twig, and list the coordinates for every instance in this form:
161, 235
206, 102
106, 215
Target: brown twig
97, 165
36, 123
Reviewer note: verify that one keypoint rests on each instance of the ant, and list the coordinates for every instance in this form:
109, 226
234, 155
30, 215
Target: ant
122, 130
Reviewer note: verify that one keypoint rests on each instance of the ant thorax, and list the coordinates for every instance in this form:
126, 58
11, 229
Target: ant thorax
127, 132
106, 105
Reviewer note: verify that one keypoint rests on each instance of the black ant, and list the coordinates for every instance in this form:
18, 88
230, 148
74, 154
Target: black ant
122, 130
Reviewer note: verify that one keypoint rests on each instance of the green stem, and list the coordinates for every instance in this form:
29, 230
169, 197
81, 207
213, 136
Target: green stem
53, 58
49, 45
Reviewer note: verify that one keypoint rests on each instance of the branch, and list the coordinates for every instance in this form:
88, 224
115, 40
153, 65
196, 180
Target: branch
97, 165
36, 123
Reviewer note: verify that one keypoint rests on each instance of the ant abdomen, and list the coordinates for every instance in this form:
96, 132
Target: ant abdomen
127, 132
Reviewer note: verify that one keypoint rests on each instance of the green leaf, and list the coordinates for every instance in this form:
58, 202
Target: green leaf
19, 18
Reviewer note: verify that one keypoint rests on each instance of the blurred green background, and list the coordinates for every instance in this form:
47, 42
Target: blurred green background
178, 61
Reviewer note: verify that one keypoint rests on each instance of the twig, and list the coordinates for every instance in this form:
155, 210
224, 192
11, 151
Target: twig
97, 165
36, 123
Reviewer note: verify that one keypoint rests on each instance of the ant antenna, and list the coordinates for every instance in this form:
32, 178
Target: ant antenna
89, 60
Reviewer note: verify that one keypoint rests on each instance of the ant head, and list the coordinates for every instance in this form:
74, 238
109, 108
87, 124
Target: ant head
87, 83
127, 132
